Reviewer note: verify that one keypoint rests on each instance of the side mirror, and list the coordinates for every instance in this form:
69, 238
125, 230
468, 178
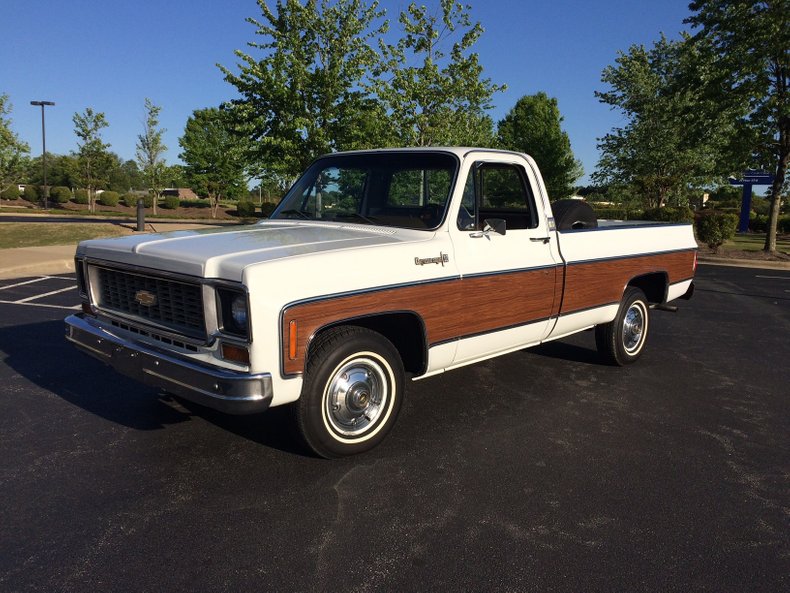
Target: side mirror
496, 225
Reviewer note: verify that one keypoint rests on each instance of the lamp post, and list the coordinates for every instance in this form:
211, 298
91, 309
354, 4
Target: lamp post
44, 149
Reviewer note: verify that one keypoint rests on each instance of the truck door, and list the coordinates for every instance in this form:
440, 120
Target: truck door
508, 262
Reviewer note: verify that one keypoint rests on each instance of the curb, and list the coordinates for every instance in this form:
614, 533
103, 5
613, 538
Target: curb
41, 269
744, 263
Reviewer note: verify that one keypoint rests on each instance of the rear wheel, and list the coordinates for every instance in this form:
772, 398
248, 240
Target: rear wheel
622, 341
352, 392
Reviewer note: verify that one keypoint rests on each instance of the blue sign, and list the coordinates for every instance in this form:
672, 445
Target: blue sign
749, 179
753, 178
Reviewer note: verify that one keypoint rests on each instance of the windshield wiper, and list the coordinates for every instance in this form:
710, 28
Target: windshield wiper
355, 215
299, 213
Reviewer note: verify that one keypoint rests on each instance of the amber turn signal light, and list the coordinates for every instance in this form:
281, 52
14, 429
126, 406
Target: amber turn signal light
235, 353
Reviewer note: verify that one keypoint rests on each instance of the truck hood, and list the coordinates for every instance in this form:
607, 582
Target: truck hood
225, 253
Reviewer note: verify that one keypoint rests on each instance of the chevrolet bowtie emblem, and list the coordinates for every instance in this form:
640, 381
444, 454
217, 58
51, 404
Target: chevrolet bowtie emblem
145, 298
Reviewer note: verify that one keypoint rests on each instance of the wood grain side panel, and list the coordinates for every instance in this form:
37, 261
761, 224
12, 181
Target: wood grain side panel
598, 283
449, 309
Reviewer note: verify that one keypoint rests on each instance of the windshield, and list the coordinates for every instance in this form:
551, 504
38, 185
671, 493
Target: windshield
408, 190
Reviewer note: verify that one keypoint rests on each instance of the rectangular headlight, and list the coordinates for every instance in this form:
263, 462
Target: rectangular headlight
233, 312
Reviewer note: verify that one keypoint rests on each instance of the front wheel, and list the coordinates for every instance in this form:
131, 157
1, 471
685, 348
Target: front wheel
352, 392
622, 341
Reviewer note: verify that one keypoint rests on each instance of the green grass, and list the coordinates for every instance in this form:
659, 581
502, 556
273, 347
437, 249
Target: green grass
755, 242
24, 234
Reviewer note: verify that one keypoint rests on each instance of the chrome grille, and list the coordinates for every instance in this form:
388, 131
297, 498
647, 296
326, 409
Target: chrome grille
177, 305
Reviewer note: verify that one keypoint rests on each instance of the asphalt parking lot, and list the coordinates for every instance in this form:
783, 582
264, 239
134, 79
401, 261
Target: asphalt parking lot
543, 470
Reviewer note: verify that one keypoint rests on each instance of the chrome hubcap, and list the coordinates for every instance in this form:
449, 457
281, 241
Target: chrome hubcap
356, 396
633, 328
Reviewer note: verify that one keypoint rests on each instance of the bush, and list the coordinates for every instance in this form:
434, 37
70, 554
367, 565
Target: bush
109, 198
129, 200
715, 228
245, 209
60, 194
148, 200
31, 193
171, 202
12, 193
670, 214
80, 196
758, 223
267, 208
783, 225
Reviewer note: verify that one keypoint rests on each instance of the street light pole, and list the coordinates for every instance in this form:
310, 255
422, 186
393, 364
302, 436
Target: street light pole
44, 149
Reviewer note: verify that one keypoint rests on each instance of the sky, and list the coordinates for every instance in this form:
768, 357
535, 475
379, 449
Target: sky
111, 54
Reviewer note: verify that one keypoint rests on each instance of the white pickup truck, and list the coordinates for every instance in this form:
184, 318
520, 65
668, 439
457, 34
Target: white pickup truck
376, 266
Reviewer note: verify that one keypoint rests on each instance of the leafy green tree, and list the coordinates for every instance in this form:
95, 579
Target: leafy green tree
303, 97
13, 152
62, 169
175, 176
434, 94
677, 134
213, 156
92, 154
125, 176
150, 151
752, 44
534, 126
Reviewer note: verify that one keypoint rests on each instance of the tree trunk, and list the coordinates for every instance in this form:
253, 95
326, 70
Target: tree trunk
214, 201
776, 201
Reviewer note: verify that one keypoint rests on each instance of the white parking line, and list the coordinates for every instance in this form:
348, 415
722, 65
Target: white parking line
41, 296
25, 282
75, 308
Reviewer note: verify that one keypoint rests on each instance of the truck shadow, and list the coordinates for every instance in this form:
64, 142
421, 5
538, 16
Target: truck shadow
569, 352
40, 354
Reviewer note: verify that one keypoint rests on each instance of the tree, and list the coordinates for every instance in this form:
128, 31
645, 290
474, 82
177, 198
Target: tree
677, 133
62, 170
534, 126
126, 176
442, 99
752, 43
213, 156
92, 152
13, 152
304, 96
150, 149
175, 176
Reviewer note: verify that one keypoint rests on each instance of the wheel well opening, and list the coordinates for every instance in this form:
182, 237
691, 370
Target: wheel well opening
406, 332
653, 285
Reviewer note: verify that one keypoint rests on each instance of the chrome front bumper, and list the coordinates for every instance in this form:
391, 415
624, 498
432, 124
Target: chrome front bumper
228, 391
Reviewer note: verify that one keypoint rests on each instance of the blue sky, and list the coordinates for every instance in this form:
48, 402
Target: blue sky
111, 54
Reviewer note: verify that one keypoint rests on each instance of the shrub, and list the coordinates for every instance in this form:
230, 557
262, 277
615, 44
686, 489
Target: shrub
245, 209
758, 223
129, 200
12, 193
267, 208
148, 200
60, 194
81, 196
670, 214
715, 228
109, 198
31, 193
783, 225
171, 202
